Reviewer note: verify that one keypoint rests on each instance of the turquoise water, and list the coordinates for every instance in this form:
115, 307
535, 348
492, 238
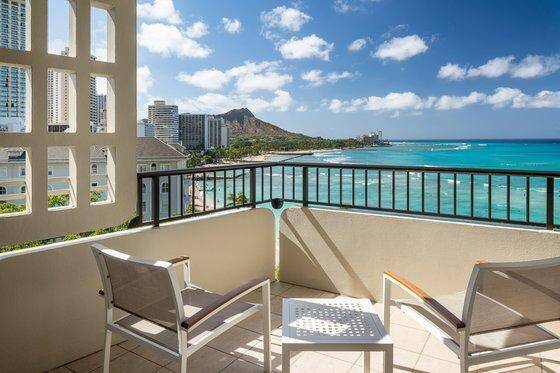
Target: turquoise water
512, 155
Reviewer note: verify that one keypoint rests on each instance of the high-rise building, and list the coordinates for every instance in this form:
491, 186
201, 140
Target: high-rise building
165, 119
191, 130
213, 132
225, 135
203, 131
101, 114
58, 85
145, 129
12, 79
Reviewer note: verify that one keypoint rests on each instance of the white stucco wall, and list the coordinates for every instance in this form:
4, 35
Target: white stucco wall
347, 252
50, 313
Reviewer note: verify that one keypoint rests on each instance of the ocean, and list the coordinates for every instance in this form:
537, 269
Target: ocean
486, 154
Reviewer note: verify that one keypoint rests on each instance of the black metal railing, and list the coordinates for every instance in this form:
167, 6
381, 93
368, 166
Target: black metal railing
505, 196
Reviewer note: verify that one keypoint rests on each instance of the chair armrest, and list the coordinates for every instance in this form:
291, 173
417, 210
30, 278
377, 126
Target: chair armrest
426, 299
223, 301
178, 260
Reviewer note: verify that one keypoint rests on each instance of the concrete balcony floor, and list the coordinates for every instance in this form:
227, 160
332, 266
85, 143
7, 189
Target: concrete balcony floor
240, 350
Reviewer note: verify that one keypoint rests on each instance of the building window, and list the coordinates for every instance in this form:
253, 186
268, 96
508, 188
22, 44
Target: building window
144, 206
143, 188
153, 167
22, 171
142, 168
165, 187
50, 171
22, 190
94, 184
164, 166
93, 168
2, 190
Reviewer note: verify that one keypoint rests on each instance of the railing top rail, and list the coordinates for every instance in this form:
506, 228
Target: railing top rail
199, 170
458, 170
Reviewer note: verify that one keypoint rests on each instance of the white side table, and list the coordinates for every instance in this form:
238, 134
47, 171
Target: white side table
341, 324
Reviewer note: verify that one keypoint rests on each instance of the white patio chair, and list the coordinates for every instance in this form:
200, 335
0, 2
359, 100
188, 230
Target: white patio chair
502, 314
159, 314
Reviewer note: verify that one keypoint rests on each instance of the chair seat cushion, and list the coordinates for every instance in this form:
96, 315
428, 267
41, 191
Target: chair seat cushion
482, 342
194, 299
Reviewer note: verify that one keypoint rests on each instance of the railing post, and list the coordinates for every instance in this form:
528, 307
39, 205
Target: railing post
550, 203
253, 187
155, 200
305, 186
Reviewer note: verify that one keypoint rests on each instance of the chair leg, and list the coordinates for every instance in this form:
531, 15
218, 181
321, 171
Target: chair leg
183, 366
266, 326
463, 351
107, 351
387, 304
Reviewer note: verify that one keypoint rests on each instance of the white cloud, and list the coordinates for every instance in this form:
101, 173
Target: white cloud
458, 102
216, 103
532, 66
211, 79
310, 46
160, 10
144, 79
345, 6
287, 19
492, 69
249, 77
401, 49
197, 30
233, 26
269, 81
452, 71
281, 102
395, 101
250, 67
169, 40
302, 108
357, 45
315, 78
536, 66
503, 97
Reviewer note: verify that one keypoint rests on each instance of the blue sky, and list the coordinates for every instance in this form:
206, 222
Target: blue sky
417, 69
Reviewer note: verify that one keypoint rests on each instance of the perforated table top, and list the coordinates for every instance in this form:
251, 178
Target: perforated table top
332, 321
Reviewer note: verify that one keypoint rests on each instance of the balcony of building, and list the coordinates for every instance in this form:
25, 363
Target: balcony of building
52, 317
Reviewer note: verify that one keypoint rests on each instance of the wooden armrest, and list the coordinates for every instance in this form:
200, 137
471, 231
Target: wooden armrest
178, 260
428, 300
222, 301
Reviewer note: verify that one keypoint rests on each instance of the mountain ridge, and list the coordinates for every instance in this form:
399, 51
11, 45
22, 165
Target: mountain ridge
243, 123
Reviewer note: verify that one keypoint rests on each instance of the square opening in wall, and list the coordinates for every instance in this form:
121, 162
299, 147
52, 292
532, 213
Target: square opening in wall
15, 98
61, 101
61, 27
14, 176
102, 33
61, 180
15, 29
101, 174
101, 105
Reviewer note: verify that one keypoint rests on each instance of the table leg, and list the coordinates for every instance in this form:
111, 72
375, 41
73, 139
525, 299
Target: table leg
367, 361
388, 361
286, 361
